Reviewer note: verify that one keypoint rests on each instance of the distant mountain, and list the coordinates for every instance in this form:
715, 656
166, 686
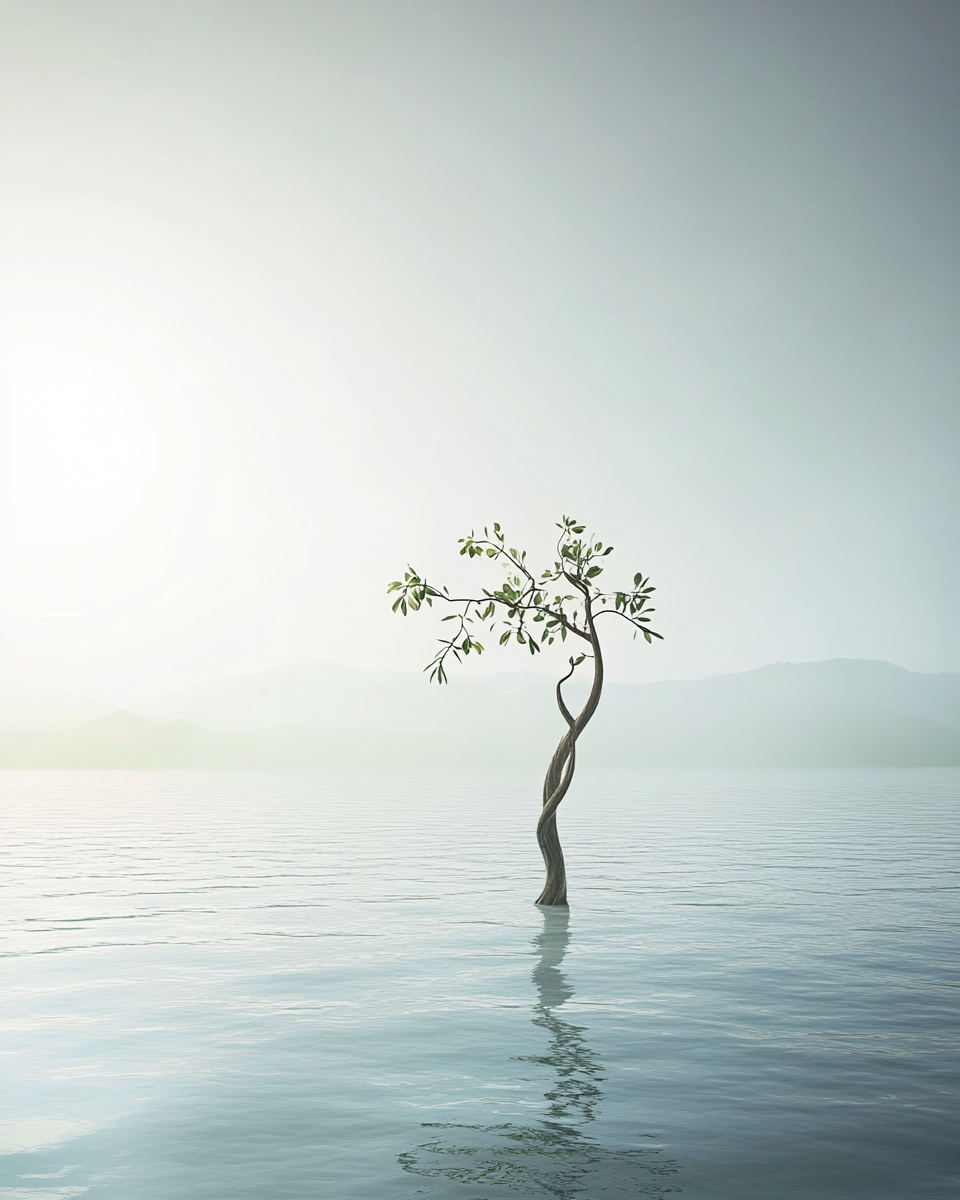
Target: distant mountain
845, 681
346, 698
839, 712
125, 740
28, 708
844, 712
784, 735
118, 740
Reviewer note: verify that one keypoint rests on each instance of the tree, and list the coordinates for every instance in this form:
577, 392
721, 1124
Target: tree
529, 614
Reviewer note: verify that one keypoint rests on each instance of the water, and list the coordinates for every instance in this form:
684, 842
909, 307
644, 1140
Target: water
221, 985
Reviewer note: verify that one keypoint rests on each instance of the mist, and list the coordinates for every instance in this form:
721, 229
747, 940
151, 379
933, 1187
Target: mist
292, 295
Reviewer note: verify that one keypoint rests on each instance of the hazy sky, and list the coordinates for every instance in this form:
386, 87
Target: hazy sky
292, 293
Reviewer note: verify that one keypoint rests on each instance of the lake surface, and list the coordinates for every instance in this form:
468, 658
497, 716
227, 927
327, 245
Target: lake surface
305, 986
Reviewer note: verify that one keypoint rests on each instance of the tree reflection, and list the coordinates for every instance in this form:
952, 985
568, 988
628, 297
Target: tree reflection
556, 1156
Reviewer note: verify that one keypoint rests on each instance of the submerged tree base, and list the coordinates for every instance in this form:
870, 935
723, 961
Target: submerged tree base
554, 789
555, 889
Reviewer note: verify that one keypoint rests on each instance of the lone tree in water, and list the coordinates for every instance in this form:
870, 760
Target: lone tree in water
532, 611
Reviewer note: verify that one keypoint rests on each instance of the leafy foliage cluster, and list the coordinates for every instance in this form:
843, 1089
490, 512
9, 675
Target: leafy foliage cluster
530, 608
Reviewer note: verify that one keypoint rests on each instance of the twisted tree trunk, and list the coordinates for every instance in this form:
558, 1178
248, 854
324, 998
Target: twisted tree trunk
560, 774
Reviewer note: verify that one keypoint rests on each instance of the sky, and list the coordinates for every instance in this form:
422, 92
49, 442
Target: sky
293, 294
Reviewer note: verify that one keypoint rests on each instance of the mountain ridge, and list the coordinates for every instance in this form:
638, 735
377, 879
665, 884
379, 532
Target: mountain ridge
840, 712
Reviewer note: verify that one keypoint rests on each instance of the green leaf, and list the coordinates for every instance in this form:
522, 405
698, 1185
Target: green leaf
521, 596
